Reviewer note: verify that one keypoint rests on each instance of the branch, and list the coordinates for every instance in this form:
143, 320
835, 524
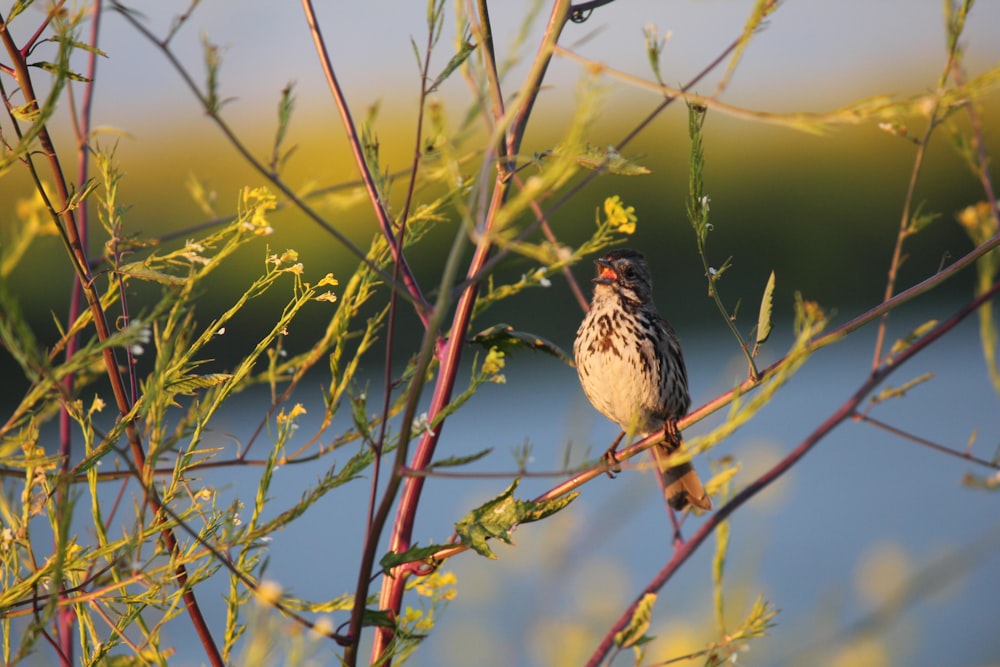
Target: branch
395, 244
392, 587
846, 411
77, 253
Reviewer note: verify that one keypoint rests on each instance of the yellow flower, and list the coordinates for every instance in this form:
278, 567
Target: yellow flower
257, 202
296, 412
327, 296
620, 217
410, 615
268, 592
440, 583
328, 279
494, 364
96, 406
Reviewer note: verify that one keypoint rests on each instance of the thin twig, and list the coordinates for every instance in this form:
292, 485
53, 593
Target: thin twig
395, 244
933, 120
912, 437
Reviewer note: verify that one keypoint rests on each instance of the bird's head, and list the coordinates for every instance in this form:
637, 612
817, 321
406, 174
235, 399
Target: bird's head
624, 272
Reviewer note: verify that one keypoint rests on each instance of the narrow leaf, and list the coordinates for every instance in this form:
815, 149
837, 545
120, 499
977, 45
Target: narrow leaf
188, 384
411, 555
718, 571
453, 461
143, 272
456, 61
902, 344
608, 159
638, 624
79, 45
899, 392
53, 68
764, 316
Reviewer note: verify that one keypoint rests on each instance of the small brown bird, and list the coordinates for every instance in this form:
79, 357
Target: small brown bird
632, 370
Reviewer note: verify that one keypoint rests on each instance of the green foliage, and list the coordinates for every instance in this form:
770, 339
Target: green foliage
506, 339
698, 204
608, 159
498, 517
634, 634
128, 394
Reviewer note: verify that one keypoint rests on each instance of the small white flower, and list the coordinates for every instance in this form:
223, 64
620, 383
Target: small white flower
421, 425
143, 333
712, 271
221, 331
323, 626
704, 201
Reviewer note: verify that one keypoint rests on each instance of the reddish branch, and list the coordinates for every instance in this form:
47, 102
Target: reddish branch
401, 537
846, 411
77, 253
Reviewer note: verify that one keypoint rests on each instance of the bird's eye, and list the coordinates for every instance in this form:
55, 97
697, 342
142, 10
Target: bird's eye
628, 273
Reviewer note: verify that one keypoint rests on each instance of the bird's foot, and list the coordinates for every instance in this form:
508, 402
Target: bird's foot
611, 465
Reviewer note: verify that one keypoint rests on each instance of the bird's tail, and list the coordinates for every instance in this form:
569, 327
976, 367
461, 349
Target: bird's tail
681, 484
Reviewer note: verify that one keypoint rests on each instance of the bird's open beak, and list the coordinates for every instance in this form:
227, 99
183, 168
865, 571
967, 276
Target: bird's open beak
605, 272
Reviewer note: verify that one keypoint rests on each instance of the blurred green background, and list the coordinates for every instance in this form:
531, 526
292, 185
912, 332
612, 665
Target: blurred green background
822, 211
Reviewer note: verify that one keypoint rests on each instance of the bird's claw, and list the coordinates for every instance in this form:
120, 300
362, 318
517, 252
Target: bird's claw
611, 465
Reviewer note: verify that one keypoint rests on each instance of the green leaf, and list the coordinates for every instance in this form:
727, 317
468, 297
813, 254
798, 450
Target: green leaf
608, 159
635, 631
411, 555
764, 316
899, 392
77, 197
53, 68
498, 517
505, 338
466, 50
718, 570
79, 45
143, 272
902, 344
453, 461
920, 219
377, 618
188, 384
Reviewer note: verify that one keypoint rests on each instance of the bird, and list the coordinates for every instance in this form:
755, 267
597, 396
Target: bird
632, 369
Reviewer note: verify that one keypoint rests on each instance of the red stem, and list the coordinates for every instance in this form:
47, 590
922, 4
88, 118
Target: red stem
402, 532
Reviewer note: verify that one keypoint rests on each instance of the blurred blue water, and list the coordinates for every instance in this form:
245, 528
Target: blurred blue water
800, 544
